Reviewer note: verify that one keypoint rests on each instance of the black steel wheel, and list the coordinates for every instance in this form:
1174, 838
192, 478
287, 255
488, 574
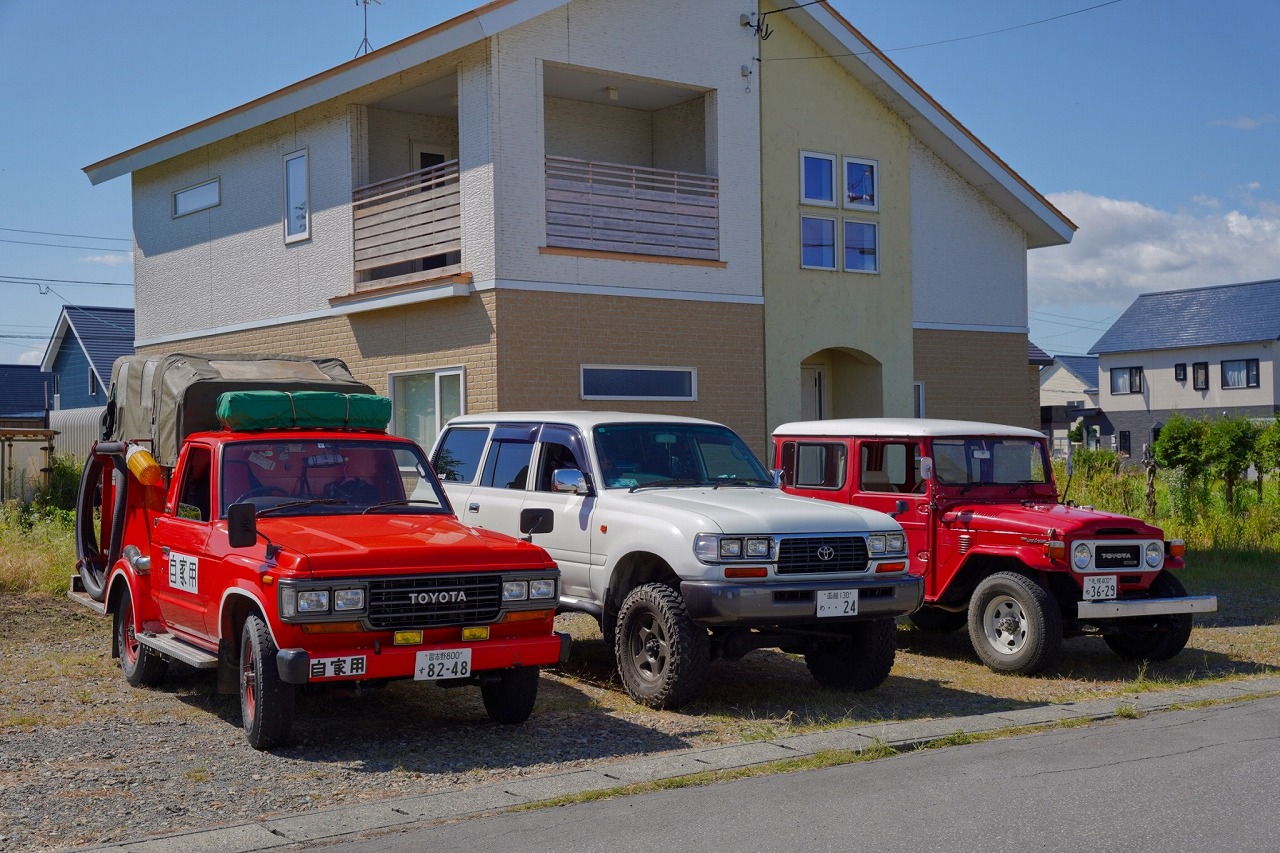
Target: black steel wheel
663, 657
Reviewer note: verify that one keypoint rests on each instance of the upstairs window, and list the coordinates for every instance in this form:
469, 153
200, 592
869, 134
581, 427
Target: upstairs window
297, 203
1180, 372
200, 197
861, 246
1240, 373
1200, 376
817, 179
817, 243
861, 183
1126, 380
619, 382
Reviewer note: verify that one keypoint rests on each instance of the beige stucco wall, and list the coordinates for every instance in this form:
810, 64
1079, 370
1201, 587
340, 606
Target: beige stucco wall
822, 317
977, 376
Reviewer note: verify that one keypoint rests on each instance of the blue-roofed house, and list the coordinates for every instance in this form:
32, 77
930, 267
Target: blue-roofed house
1206, 351
1069, 393
24, 395
86, 342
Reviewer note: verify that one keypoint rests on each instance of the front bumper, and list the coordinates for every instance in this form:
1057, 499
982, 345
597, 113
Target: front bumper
1090, 610
761, 605
395, 662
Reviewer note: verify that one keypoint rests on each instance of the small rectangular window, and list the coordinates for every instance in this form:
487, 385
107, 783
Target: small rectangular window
861, 183
1180, 372
614, 382
1126, 380
861, 250
817, 179
1240, 373
1123, 442
918, 392
817, 243
93, 383
422, 403
1200, 376
200, 197
297, 204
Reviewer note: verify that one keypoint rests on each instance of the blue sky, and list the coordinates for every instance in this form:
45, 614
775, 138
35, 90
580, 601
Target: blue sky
1153, 124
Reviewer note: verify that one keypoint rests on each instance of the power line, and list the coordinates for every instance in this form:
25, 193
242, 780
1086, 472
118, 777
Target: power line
65, 246
17, 279
76, 236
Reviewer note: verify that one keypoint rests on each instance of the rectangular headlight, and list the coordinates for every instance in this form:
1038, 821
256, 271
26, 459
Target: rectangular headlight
348, 599
875, 543
730, 547
759, 548
545, 588
313, 601
515, 590
894, 542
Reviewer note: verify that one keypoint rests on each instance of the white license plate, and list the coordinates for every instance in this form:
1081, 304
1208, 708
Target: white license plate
837, 602
442, 663
1100, 587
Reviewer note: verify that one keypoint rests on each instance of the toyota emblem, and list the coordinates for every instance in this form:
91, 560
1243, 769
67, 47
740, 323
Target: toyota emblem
826, 552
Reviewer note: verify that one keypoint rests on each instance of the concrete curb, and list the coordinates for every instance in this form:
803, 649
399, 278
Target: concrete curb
334, 823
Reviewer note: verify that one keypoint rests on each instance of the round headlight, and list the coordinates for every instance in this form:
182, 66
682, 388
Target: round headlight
1155, 554
1081, 555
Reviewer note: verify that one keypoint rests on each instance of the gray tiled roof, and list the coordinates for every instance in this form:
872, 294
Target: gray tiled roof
22, 390
1202, 316
1082, 367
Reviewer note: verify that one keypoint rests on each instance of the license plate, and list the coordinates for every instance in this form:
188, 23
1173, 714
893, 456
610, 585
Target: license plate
837, 602
1098, 587
442, 663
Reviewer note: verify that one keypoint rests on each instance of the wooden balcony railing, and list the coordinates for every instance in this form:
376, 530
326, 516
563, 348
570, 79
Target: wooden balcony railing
401, 221
616, 208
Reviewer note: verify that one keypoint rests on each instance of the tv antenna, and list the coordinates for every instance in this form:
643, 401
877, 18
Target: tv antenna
365, 47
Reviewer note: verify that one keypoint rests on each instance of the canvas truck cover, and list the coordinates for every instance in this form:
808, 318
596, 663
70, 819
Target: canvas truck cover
165, 398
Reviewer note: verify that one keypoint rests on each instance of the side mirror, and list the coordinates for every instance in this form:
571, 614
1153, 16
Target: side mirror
536, 521
926, 468
899, 508
570, 480
242, 525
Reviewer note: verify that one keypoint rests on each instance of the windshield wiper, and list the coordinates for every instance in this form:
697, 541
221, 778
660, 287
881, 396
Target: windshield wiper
1019, 484
400, 502
968, 486
307, 502
739, 481
659, 483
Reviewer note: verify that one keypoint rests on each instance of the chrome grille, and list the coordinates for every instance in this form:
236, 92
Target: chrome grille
393, 602
802, 555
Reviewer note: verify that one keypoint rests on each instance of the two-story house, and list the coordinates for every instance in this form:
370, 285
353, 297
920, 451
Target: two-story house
1204, 352
601, 204
1069, 396
86, 341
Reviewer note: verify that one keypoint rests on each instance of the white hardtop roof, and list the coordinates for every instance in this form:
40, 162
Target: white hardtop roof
582, 420
902, 428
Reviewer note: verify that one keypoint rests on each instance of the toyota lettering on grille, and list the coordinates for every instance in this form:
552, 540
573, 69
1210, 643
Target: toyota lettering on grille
449, 597
826, 552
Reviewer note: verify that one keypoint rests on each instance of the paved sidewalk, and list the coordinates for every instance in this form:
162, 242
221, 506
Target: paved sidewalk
331, 824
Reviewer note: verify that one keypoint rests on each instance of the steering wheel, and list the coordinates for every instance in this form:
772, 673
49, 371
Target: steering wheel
262, 491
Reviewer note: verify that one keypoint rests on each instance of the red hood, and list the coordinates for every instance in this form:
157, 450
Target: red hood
1038, 518
360, 544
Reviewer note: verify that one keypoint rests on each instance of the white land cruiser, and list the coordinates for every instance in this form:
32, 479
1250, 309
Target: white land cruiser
672, 534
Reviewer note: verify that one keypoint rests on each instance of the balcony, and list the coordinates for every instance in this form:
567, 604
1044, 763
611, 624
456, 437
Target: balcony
608, 207
408, 228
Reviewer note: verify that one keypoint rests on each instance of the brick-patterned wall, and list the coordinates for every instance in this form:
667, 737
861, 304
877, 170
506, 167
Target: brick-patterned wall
977, 376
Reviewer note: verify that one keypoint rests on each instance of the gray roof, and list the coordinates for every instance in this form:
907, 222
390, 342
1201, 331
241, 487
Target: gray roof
1082, 367
104, 334
1199, 317
1035, 355
22, 391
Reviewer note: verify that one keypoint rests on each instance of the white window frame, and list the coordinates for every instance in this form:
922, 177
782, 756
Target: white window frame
917, 390
648, 368
837, 241
844, 250
835, 176
440, 420
216, 183
874, 204
93, 383
305, 233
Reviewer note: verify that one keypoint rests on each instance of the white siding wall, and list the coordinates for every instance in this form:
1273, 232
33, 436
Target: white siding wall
1058, 386
969, 260
391, 138
1161, 391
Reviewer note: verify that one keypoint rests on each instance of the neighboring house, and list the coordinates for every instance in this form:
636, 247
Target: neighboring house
1203, 352
25, 442
1069, 394
25, 395
86, 342
580, 204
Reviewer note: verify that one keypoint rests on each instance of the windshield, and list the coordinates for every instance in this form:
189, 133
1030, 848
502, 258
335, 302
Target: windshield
989, 461
638, 455
310, 476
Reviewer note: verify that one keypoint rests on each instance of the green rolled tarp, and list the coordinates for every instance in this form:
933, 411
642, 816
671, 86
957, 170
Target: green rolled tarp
253, 410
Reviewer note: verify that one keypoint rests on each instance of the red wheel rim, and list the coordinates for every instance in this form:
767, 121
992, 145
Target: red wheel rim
248, 683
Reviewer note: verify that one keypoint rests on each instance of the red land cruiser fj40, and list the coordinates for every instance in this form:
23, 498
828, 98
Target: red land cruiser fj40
996, 548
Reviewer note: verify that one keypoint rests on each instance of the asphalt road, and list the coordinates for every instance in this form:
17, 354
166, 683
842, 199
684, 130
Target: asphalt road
1194, 780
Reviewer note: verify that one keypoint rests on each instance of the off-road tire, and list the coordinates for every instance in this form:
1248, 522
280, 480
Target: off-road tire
663, 657
141, 666
861, 660
1166, 639
934, 620
509, 700
266, 702
1014, 624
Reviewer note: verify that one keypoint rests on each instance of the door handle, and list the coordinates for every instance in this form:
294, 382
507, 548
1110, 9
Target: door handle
473, 507
164, 549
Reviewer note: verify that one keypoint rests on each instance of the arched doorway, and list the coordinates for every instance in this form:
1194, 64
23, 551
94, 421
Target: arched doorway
841, 382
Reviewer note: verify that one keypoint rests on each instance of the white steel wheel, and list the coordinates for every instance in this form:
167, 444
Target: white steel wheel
1005, 624
1014, 623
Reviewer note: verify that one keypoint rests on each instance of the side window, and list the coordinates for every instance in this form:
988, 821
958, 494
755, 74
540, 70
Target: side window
555, 457
507, 466
458, 457
820, 465
889, 466
194, 500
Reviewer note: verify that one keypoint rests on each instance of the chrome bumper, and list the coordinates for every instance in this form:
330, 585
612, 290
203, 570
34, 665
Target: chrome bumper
1146, 607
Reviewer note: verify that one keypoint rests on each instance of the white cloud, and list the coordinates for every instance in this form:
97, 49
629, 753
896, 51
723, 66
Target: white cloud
31, 357
1125, 248
1245, 122
107, 260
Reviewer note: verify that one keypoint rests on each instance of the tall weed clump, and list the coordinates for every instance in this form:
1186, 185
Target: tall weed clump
37, 549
